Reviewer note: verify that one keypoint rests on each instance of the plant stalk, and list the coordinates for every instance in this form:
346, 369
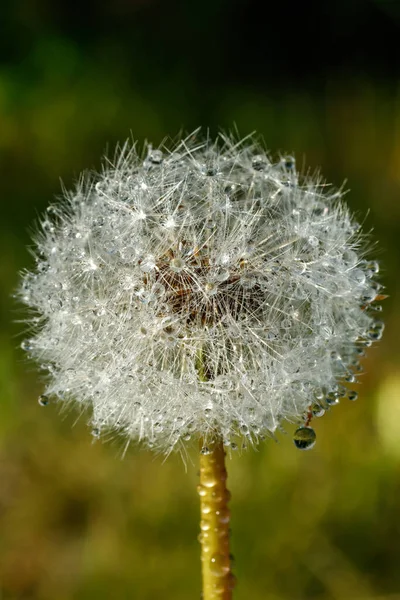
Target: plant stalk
218, 580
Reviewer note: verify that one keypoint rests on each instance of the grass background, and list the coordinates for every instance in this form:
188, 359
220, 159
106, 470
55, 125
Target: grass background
318, 80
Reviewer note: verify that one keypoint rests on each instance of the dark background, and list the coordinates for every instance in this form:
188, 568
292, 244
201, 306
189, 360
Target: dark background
318, 79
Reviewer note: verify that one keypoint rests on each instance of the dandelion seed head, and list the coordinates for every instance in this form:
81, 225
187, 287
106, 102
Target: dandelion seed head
204, 290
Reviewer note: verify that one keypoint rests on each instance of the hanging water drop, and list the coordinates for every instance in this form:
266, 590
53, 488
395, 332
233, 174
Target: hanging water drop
352, 395
43, 400
304, 438
317, 410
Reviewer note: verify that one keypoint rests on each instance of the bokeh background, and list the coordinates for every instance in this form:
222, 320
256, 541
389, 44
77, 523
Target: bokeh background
318, 79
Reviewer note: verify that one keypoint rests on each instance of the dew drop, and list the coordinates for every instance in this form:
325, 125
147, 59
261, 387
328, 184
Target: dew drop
304, 438
219, 565
313, 241
223, 515
259, 162
350, 258
158, 289
317, 410
95, 432
206, 508
43, 400
177, 265
358, 276
371, 267
350, 378
147, 265
332, 398
201, 490
222, 275
211, 288
205, 451
211, 170
26, 345
155, 157
352, 395
205, 525
288, 162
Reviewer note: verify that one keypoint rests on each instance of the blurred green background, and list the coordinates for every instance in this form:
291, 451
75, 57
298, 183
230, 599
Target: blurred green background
320, 80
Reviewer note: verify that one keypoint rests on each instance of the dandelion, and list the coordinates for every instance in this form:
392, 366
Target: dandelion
204, 292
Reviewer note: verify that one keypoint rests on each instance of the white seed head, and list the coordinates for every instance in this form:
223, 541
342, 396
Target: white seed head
205, 290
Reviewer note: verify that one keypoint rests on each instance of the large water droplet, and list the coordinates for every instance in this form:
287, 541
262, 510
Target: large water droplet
304, 438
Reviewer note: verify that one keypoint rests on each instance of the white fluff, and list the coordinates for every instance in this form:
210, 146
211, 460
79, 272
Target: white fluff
201, 291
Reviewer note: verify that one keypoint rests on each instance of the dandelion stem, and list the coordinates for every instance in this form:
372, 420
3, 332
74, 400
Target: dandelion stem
218, 580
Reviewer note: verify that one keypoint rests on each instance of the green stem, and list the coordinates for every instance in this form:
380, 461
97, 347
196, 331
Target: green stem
218, 580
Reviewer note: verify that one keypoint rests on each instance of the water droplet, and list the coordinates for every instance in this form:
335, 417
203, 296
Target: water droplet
205, 525
222, 275
358, 276
155, 157
211, 170
177, 265
205, 450
371, 267
158, 289
211, 288
304, 438
350, 258
377, 308
376, 331
332, 398
27, 345
352, 395
259, 162
43, 400
317, 410
147, 264
288, 162
223, 515
95, 432
219, 565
